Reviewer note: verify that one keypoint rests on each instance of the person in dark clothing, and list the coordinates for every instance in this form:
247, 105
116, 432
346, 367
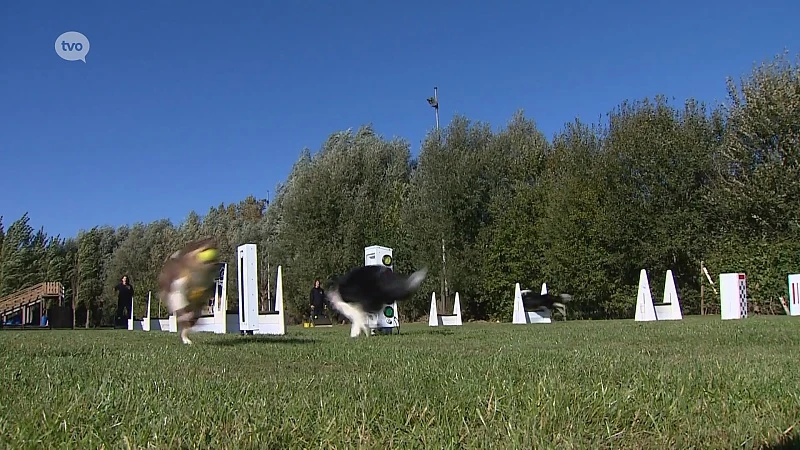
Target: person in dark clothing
317, 300
124, 300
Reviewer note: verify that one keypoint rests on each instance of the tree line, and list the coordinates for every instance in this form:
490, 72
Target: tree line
654, 186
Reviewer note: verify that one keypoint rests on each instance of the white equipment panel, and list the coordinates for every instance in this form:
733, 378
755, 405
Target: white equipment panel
387, 320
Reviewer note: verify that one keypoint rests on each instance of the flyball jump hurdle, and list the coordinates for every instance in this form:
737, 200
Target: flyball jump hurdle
647, 311
218, 322
251, 321
733, 296
435, 319
538, 315
148, 323
248, 320
139, 325
794, 294
388, 320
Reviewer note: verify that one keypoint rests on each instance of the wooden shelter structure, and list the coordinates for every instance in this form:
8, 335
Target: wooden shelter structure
27, 302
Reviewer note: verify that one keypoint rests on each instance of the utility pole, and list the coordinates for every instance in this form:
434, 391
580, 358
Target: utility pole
434, 103
269, 286
269, 273
702, 291
446, 296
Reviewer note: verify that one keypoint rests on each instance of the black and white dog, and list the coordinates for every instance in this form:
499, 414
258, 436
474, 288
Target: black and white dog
533, 301
367, 289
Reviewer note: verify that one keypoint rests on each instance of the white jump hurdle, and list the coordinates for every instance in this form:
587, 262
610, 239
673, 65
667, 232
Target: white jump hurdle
251, 321
541, 315
448, 320
149, 323
733, 296
139, 325
794, 295
669, 309
248, 320
218, 322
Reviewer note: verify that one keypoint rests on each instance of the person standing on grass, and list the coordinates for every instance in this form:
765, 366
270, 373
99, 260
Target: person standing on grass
124, 299
317, 300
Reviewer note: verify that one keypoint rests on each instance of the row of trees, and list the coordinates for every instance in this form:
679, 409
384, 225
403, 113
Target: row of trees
656, 186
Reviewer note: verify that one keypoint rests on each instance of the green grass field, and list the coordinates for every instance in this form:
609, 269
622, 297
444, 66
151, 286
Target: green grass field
699, 383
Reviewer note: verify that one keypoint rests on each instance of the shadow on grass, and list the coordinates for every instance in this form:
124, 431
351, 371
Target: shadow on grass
21, 328
261, 339
790, 442
440, 332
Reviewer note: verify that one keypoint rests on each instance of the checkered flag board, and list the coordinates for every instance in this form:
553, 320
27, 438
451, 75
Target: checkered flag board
743, 295
733, 295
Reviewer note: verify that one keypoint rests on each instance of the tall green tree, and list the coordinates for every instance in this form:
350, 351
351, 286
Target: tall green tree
2, 237
18, 257
445, 207
659, 163
573, 223
756, 198
508, 175
90, 263
332, 206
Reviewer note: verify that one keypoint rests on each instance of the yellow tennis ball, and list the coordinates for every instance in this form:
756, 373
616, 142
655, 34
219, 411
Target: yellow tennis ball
208, 255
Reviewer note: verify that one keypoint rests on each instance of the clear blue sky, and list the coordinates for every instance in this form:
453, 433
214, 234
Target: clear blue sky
177, 92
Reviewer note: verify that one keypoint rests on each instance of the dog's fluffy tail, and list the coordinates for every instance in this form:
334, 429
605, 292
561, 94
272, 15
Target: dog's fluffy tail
415, 279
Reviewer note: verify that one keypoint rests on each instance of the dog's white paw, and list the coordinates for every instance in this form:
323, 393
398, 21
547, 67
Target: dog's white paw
185, 338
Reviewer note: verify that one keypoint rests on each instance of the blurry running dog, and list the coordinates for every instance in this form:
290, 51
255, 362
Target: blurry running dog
366, 290
186, 282
533, 301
